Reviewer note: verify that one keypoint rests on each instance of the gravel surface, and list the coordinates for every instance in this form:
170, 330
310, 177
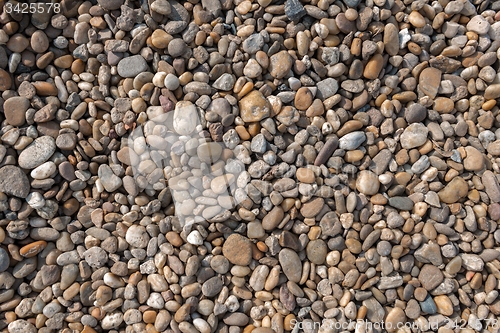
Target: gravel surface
250, 166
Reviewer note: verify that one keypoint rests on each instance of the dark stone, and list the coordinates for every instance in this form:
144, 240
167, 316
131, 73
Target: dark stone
352, 3
401, 203
294, 10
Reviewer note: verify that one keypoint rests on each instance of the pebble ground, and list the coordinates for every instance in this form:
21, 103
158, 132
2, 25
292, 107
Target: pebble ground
242, 166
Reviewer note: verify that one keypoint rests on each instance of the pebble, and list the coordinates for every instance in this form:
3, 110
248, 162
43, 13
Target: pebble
415, 135
290, 264
37, 152
454, 190
216, 165
15, 109
132, 66
254, 107
238, 250
367, 183
430, 276
4, 260
13, 181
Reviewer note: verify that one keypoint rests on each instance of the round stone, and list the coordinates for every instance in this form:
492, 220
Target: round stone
177, 47
137, 236
316, 251
367, 182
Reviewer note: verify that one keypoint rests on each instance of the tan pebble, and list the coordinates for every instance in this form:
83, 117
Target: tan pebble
45, 88
5, 80
280, 64
443, 105
242, 133
416, 19
254, 129
32, 249
160, 39
39, 41
349, 126
373, 67
305, 175
429, 81
456, 189
254, 107
443, 305
17, 43
303, 98
353, 156
351, 14
64, 61
378, 199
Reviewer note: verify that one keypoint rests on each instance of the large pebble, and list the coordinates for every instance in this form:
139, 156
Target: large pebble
13, 181
290, 264
37, 152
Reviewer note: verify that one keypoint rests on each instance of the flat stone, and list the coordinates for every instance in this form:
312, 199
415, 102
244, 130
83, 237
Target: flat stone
367, 182
212, 286
479, 25
132, 66
109, 180
395, 317
137, 236
37, 152
429, 253
374, 311
273, 218
373, 67
312, 207
15, 110
316, 251
21, 326
13, 181
290, 264
456, 189
237, 249
391, 39
443, 305
414, 135
474, 160
428, 306
429, 81
492, 187
280, 64
492, 91
352, 140
254, 107
401, 203
327, 88
415, 113
225, 82
254, 43
5, 80
209, 152
326, 152
472, 262
430, 276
